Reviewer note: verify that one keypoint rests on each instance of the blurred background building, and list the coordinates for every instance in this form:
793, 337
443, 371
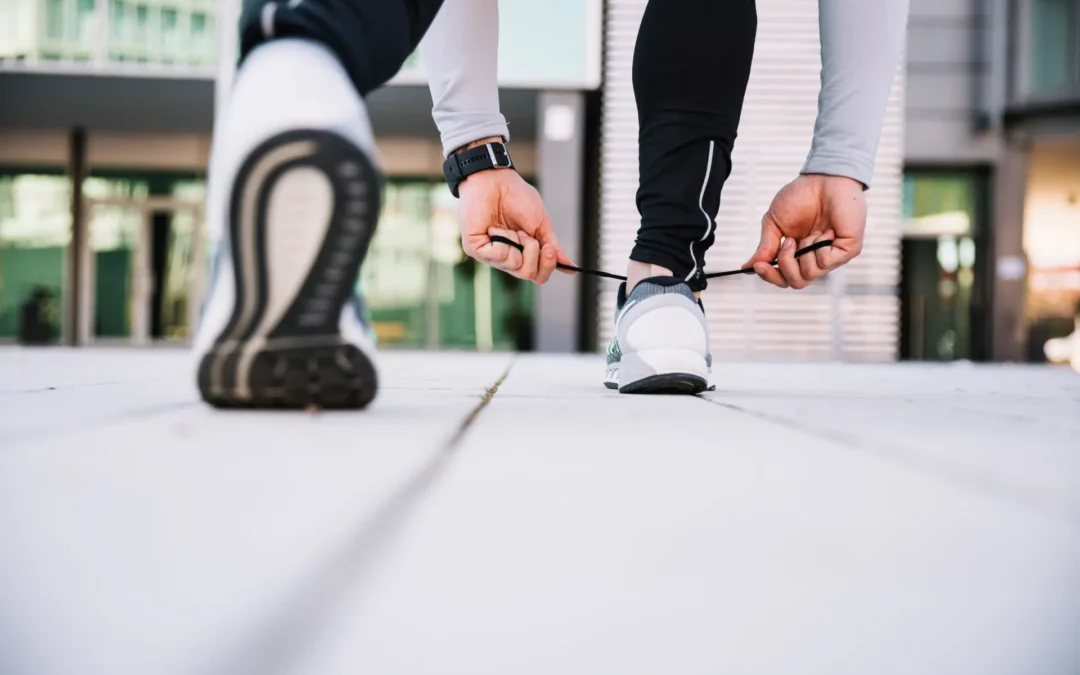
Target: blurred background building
973, 247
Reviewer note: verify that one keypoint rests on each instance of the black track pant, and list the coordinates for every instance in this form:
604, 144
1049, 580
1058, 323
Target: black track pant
691, 65
371, 38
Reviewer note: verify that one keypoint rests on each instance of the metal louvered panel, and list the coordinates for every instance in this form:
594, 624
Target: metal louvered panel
854, 314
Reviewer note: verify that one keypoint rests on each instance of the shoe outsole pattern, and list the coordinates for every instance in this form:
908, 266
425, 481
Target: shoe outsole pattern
668, 383
303, 361
333, 377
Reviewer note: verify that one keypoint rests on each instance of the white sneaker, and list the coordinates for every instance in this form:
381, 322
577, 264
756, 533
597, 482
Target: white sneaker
296, 208
661, 343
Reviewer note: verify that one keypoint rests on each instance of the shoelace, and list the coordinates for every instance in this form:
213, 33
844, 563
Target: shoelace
715, 275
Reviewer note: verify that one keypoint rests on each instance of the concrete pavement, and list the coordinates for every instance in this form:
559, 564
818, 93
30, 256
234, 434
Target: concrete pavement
493, 514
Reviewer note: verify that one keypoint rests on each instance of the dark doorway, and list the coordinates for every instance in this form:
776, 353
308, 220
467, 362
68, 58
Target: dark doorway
160, 236
945, 257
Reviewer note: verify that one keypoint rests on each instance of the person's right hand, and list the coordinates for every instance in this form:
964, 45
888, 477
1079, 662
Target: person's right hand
500, 202
809, 209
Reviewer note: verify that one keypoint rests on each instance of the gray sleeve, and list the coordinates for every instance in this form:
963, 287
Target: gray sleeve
460, 55
861, 43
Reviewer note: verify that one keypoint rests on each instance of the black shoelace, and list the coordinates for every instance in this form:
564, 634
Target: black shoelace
714, 275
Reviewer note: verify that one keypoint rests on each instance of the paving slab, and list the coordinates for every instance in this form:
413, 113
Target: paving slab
498, 514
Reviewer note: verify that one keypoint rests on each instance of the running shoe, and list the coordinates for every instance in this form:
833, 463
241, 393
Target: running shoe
661, 343
281, 327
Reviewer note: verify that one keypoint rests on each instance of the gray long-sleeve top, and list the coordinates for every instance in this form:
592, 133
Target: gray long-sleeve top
861, 42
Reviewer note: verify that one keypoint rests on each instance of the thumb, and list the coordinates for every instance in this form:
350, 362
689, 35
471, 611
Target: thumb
769, 245
546, 235
563, 259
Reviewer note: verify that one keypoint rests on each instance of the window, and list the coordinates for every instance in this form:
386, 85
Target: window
168, 21
938, 203
85, 20
118, 27
421, 290
201, 41
1055, 45
54, 19
142, 17
35, 230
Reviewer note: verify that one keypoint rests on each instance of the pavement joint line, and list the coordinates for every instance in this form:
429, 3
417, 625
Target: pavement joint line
276, 646
81, 385
473, 414
982, 485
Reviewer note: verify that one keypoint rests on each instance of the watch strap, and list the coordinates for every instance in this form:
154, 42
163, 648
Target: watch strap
460, 166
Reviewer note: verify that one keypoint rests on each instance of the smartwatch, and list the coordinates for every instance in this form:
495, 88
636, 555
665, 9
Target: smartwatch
460, 166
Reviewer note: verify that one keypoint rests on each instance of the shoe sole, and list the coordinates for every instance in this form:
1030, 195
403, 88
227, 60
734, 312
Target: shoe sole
302, 213
669, 383
662, 371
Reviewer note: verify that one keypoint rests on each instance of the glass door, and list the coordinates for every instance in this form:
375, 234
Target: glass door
177, 270
143, 276
422, 291
944, 252
114, 273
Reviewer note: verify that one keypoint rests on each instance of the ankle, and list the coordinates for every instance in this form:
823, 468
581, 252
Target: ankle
637, 271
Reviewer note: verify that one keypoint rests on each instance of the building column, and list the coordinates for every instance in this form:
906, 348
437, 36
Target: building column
77, 170
560, 173
228, 52
1008, 330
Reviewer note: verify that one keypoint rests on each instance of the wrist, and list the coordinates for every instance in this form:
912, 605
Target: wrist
479, 156
478, 143
836, 180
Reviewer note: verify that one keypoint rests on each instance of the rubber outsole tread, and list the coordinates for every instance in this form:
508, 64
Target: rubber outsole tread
337, 377
669, 383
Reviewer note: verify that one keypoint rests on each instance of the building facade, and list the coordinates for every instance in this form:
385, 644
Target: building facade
991, 246
106, 110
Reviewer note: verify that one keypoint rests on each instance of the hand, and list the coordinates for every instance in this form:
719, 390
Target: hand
500, 202
811, 208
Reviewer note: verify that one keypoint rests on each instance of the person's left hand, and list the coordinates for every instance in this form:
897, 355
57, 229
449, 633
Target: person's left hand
811, 208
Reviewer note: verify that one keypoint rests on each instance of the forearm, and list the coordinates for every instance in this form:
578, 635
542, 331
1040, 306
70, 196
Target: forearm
861, 43
460, 54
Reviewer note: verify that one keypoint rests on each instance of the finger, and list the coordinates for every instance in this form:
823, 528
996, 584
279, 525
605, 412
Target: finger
512, 235
548, 260
562, 259
820, 255
808, 264
769, 244
770, 274
789, 266
498, 254
478, 245
530, 258
842, 251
